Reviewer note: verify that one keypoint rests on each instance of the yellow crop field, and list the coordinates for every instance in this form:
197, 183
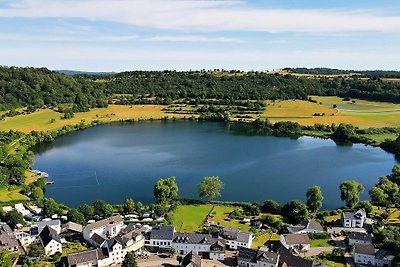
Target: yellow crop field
46, 119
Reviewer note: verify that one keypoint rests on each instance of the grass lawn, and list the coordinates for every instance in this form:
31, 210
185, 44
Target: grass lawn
190, 218
362, 113
263, 238
73, 247
394, 216
331, 260
332, 218
320, 243
11, 195
41, 120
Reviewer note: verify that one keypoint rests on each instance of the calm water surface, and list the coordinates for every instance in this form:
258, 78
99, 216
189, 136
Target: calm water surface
111, 162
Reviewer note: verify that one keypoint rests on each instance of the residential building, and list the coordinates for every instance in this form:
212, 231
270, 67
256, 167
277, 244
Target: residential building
235, 238
257, 258
50, 240
161, 237
71, 228
354, 219
191, 260
184, 243
83, 258
217, 250
307, 226
360, 238
37, 227
106, 228
369, 255
298, 242
7, 239
287, 259
21, 209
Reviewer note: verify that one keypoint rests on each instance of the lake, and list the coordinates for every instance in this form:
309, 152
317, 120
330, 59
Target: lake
113, 161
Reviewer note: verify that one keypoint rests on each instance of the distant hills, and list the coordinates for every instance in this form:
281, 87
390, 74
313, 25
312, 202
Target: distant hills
329, 71
77, 72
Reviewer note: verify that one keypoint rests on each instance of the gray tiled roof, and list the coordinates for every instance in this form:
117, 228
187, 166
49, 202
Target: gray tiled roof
354, 215
7, 238
192, 238
364, 249
235, 234
98, 239
307, 224
293, 239
193, 258
162, 233
252, 255
360, 236
82, 257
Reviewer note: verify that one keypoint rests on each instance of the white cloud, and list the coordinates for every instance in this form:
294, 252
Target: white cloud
207, 15
193, 38
66, 38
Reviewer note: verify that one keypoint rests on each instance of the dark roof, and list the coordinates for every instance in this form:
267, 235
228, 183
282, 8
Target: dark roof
354, 215
98, 239
192, 238
384, 255
292, 239
235, 234
7, 238
115, 240
364, 249
252, 255
218, 245
360, 236
307, 224
286, 258
162, 233
48, 234
191, 258
82, 257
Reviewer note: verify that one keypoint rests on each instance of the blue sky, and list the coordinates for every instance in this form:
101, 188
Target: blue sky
117, 35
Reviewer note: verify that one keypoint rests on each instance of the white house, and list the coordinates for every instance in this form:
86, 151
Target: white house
106, 228
161, 237
368, 255
235, 238
184, 243
354, 219
257, 258
217, 250
360, 238
299, 242
50, 241
307, 226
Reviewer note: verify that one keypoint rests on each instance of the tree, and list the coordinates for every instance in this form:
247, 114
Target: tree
87, 211
103, 209
49, 207
14, 217
37, 193
129, 260
165, 190
5, 259
314, 198
35, 250
129, 205
365, 205
350, 192
271, 206
210, 187
378, 196
295, 211
75, 216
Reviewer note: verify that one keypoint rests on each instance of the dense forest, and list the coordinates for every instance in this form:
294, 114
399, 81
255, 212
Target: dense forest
36, 88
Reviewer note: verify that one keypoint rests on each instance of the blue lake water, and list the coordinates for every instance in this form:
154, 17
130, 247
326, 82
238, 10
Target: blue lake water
113, 161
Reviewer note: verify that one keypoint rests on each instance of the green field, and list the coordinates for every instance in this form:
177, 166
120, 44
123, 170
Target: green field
320, 243
261, 239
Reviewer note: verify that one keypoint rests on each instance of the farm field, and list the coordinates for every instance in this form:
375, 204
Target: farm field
41, 120
361, 113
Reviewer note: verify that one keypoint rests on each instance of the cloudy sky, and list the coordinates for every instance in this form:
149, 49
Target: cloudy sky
116, 35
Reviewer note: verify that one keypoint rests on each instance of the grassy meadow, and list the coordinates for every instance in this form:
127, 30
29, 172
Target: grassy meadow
361, 113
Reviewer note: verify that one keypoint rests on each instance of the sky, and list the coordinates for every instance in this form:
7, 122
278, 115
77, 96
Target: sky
118, 35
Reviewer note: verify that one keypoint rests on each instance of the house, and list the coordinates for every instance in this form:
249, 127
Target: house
50, 240
354, 219
107, 228
257, 258
21, 209
298, 242
184, 243
37, 227
7, 239
369, 255
161, 237
287, 259
307, 226
360, 238
83, 258
217, 250
235, 238
132, 238
191, 260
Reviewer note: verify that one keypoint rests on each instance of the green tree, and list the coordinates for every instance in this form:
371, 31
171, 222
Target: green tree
14, 217
210, 187
295, 211
5, 259
378, 196
103, 209
271, 206
129, 260
165, 190
350, 192
75, 216
314, 198
37, 193
87, 211
35, 250
49, 207
129, 205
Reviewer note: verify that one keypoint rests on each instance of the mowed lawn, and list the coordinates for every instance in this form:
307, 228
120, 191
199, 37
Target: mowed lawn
41, 120
190, 218
11, 195
362, 113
